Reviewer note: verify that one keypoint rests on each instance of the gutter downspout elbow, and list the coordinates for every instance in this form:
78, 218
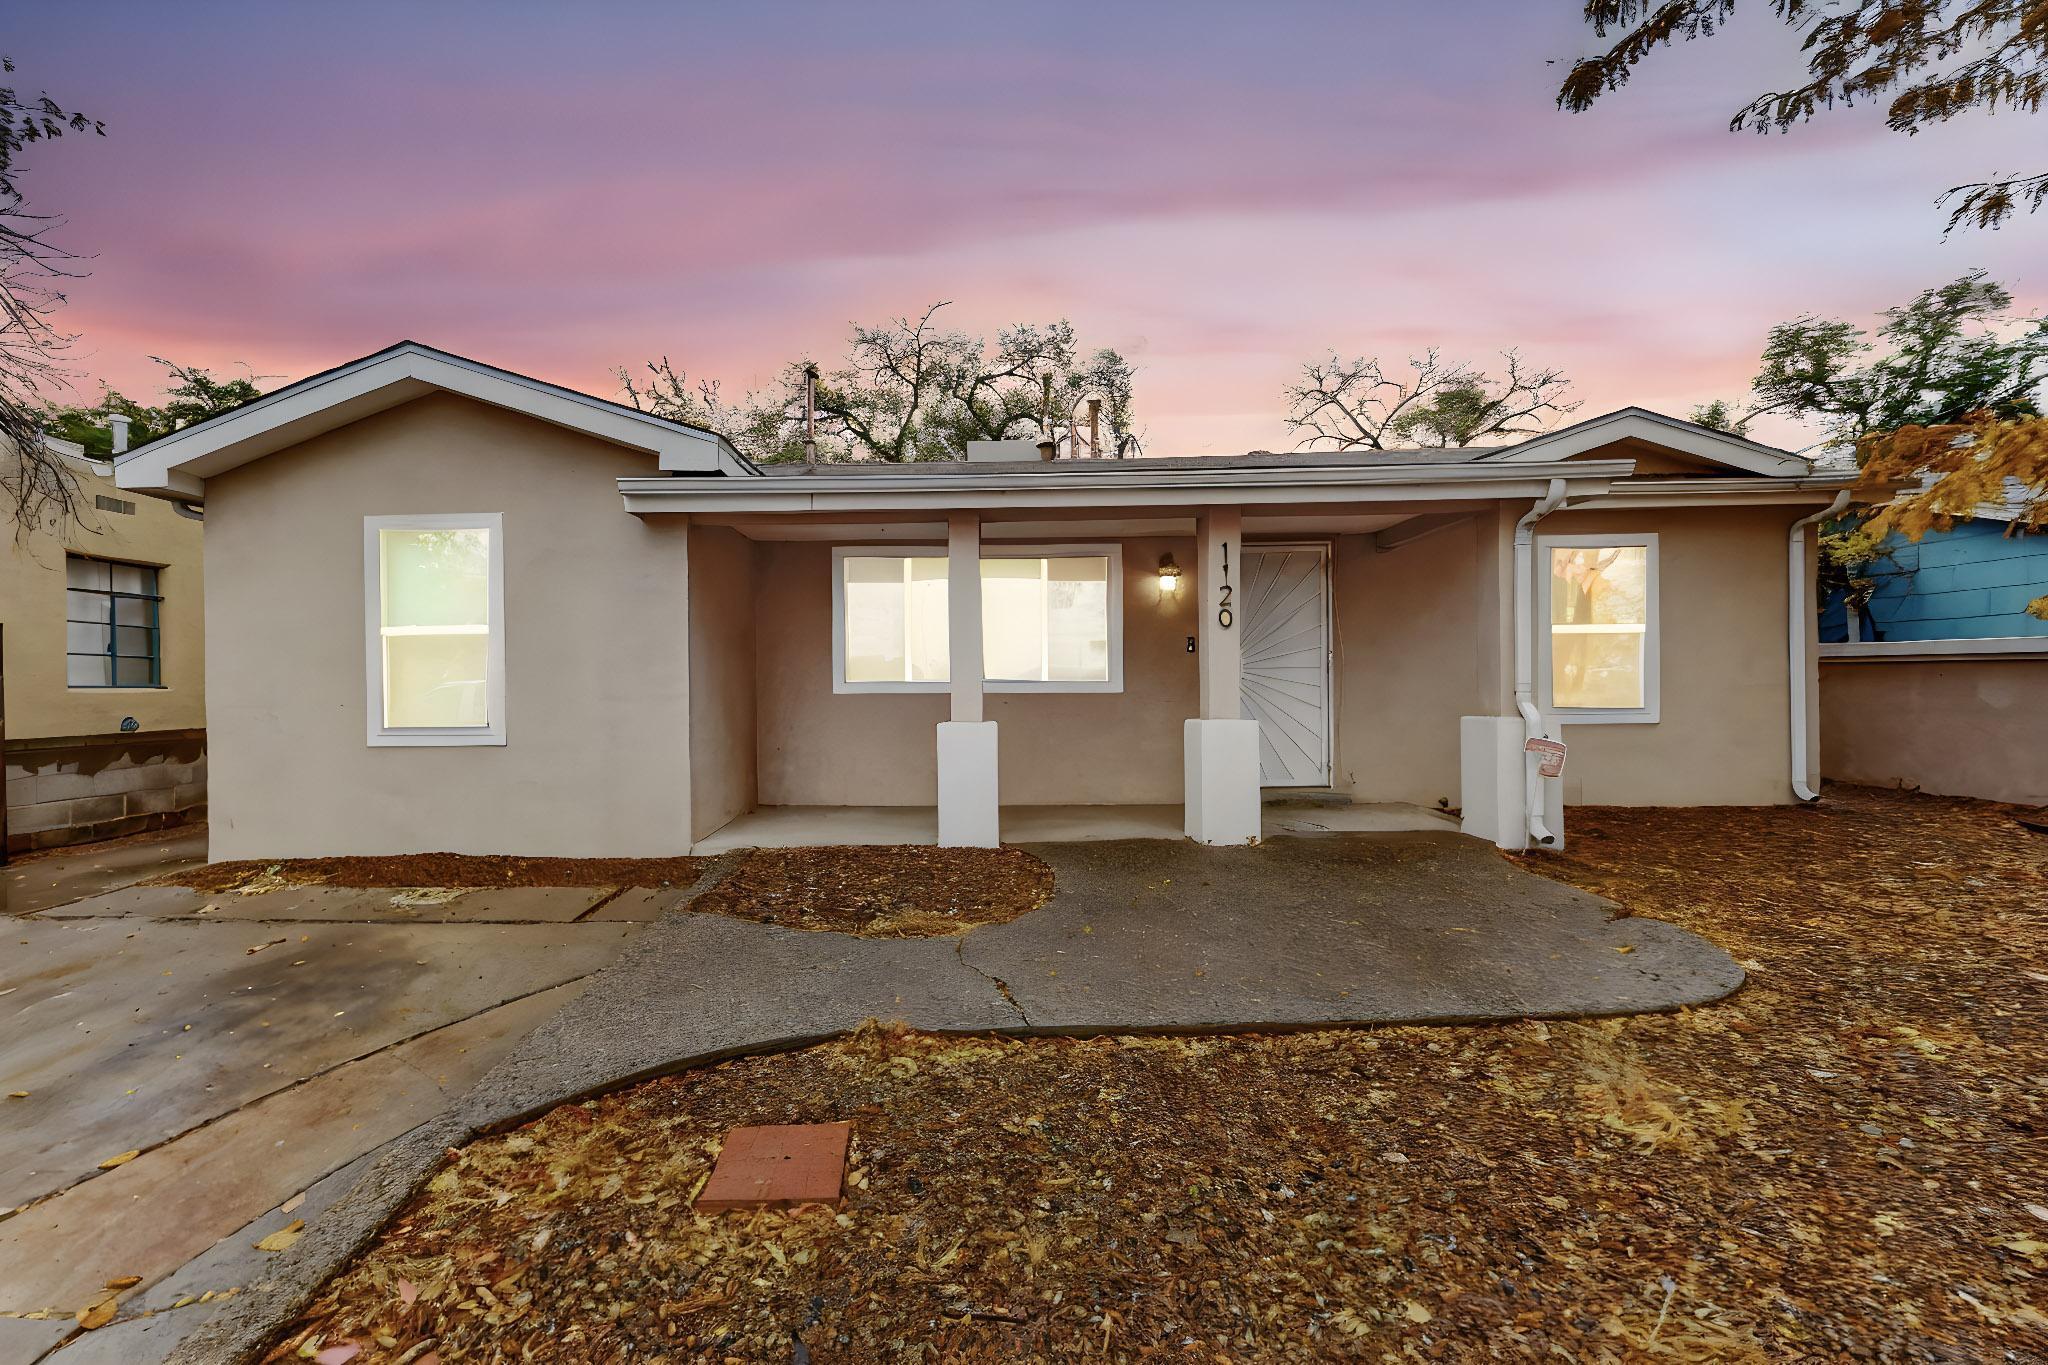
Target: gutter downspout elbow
1525, 689
1799, 630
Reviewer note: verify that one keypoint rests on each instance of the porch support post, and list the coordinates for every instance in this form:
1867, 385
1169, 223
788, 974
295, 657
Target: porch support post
1221, 747
967, 743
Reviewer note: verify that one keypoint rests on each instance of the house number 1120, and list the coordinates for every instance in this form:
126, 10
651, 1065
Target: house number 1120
1223, 613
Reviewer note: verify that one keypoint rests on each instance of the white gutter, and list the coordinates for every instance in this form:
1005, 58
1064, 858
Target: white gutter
1799, 628
1525, 667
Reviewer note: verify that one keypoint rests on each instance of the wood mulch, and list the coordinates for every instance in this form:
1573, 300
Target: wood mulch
882, 892
1846, 1160
438, 870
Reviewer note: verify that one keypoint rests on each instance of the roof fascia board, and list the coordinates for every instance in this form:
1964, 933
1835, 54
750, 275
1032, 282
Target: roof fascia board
1684, 438
1179, 488
1738, 492
179, 464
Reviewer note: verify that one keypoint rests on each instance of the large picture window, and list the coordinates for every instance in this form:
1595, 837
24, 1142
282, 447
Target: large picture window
1600, 647
435, 602
112, 635
1051, 619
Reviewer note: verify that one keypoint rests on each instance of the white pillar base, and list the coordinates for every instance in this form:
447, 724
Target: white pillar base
1222, 781
967, 785
1490, 768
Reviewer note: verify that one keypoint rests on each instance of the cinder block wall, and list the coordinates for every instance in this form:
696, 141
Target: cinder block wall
71, 790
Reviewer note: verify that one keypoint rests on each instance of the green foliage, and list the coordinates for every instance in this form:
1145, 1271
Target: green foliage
1360, 404
1719, 415
911, 390
192, 396
1952, 351
1932, 59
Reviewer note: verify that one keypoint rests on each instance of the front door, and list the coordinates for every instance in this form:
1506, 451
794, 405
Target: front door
1286, 652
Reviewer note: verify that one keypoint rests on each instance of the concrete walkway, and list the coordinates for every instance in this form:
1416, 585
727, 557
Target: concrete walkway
1140, 935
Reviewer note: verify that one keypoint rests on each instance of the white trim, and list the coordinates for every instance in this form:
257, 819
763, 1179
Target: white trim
1094, 484
1915, 651
380, 735
1648, 712
998, 550
1679, 437
179, 464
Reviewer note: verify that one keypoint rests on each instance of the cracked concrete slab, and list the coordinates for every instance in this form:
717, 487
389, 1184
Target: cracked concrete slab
64, 875
127, 1033
373, 905
159, 1211
1407, 928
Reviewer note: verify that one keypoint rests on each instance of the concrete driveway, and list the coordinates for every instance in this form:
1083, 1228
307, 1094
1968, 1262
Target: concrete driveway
237, 1049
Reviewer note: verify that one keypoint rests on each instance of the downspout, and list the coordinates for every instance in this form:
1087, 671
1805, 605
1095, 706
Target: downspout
1798, 630
1525, 667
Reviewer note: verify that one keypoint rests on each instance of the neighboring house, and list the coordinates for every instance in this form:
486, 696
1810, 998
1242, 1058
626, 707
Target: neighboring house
102, 669
1939, 680
454, 608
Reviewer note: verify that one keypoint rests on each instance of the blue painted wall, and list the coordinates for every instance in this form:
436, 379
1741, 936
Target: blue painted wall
1965, 584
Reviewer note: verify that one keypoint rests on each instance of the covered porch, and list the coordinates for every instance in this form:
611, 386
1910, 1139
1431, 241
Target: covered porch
1254, 642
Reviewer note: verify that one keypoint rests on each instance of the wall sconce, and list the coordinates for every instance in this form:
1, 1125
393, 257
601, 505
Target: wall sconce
1169, 576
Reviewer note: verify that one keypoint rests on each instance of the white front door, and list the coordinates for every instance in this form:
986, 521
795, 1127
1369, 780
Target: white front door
1286, 651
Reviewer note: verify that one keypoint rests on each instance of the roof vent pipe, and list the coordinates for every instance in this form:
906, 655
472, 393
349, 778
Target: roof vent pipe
118, 421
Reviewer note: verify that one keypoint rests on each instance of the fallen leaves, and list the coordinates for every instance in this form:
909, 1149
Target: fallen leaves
272, 943
282, 1239
122, 1160
1839, 1162
882, 892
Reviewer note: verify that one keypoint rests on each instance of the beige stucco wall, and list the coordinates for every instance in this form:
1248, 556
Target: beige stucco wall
39, 704
722, 647
597, 676
1723, 737
1974, 727
1113, 748
1419, 644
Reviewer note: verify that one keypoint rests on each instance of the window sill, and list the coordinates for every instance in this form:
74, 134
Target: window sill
990, 688
1603, 717
435, 739
126, 687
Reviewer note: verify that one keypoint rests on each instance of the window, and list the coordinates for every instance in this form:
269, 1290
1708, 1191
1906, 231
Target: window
1600, 651
1051, 619
434, 599
111, 633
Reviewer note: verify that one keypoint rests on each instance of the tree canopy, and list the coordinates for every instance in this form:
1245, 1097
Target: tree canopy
912, 389
37, 485
1360, 404
1931, 59
192, 396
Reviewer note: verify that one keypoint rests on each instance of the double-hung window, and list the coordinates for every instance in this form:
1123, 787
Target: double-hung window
112, 634
1051, 619
434, 589
1598, 646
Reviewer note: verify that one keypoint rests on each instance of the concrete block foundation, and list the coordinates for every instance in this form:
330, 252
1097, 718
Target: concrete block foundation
76, 789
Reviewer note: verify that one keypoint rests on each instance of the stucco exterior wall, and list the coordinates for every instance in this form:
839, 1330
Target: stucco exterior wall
1957, 727
722, 679
39, 704
822, 748
1418, 646
1723, 736
596, 674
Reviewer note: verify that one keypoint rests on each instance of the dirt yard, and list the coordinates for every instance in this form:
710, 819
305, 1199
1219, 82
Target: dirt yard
887, 892
1846, 1160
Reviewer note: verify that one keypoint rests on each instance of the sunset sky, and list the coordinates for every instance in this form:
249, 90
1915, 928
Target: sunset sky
1220, 191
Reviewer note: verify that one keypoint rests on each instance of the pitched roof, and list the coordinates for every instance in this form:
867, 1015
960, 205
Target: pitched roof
179, 464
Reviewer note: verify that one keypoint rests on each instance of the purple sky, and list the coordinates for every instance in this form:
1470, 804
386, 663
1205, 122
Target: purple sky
1221, 191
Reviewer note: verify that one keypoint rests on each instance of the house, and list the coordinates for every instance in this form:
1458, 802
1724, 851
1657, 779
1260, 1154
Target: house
104, 679
455, 608
1937, 679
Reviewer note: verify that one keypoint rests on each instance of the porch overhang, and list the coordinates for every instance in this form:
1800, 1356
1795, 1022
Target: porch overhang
1128, 485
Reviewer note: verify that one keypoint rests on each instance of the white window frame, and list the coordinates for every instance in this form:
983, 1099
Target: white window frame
1653, 614
989, 550
446, 737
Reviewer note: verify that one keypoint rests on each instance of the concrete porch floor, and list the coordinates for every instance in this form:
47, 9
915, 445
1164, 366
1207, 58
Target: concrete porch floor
802, 826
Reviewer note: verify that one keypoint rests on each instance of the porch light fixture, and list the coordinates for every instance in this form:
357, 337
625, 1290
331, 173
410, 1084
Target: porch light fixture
1169, 575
